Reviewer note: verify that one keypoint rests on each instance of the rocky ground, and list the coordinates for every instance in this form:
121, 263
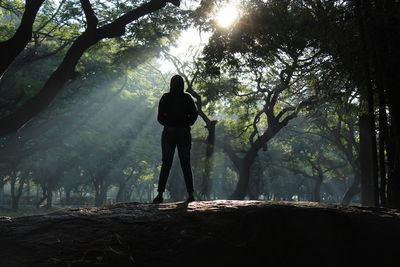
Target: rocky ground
209, 233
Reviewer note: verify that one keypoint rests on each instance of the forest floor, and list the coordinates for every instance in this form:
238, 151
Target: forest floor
206, 233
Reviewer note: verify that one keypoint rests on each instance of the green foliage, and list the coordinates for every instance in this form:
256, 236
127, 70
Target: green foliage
102, 129
103, 125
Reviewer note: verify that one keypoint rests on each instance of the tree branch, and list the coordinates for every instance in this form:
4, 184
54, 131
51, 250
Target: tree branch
11, 48
51, 18
66, 70
91, 18
255, 128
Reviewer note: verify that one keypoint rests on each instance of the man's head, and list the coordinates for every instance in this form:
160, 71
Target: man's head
177, 85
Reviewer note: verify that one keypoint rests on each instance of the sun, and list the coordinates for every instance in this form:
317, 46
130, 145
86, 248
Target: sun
227, 15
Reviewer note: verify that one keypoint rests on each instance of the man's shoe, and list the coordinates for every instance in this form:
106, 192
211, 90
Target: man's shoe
190, 198
158, 199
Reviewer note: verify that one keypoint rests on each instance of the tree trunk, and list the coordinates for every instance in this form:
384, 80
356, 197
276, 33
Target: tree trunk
28, 189
393, 184
254, 186
378, 42
317, 189
366, 163
121, 194
101, 194
379, 26
383, 137
49, 198
353, 190
2, 182
67, 197
385, 24
369, 162
206, 185
16, 191
243, 184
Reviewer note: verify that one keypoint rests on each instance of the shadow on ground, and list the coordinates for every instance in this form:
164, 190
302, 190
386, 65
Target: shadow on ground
209, 233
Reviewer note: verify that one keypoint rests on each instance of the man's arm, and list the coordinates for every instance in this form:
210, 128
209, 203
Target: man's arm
162, 116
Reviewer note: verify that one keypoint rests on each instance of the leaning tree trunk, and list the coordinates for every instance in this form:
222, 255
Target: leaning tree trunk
353, 190
242, 186
243, 168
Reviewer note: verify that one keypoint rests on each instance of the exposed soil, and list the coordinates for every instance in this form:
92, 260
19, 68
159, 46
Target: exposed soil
209, 233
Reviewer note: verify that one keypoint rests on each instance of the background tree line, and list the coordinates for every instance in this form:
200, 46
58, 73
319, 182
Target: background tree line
296, 101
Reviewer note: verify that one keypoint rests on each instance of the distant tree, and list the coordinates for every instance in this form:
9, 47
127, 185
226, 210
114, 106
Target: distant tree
313, 158
268, 49
339, 126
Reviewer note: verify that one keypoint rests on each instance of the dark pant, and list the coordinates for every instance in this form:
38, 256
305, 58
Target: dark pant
171, 138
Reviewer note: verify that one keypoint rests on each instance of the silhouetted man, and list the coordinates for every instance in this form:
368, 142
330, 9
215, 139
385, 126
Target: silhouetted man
176, 112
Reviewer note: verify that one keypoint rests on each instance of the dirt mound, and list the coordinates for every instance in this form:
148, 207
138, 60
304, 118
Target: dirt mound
209, 233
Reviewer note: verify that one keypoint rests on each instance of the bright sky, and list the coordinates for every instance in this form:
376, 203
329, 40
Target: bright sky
191, 39
227, 15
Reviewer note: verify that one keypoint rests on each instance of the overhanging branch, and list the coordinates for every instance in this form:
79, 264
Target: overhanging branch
66, 70
91, 18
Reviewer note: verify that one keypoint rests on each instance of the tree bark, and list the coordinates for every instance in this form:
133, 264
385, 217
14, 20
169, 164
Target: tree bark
16, 190
121, 194
244, 177
101, 188
383, 138
67, 197
206, 182
317, 188
2, 182
353, 190
368, 157
49, 198
388, 24
366, 162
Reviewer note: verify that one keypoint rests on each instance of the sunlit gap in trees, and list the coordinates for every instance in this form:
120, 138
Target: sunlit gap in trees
188, 41
193, 39
115, 135
227, 14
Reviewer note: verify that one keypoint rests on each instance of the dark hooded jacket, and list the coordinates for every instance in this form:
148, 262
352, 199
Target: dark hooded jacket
176, 108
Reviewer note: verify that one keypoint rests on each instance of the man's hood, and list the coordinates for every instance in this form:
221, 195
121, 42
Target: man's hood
176, 85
